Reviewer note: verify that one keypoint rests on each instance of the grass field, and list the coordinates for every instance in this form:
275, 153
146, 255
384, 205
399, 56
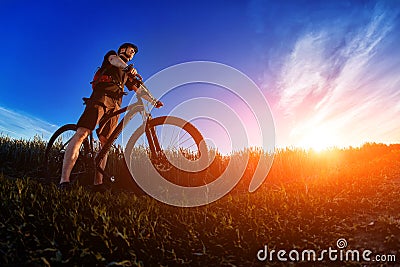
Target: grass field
309, 201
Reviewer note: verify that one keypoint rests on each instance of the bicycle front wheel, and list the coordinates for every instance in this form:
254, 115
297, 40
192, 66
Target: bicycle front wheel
170, 141
54, 155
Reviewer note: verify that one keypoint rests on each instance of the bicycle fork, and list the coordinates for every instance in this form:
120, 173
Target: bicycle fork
154, 144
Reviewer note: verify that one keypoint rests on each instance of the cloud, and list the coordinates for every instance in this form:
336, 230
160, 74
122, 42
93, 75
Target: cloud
336, 82
18, 125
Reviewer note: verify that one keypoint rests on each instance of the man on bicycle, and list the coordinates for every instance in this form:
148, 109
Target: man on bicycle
108, 89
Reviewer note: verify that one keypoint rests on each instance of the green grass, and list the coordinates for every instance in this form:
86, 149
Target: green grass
308, 201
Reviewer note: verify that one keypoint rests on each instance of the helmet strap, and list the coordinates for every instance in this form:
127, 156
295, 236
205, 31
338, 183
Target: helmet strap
124, 57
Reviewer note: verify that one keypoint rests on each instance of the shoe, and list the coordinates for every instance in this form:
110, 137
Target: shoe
64, 186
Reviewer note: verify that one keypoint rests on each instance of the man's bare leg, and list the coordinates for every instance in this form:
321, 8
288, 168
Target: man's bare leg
72, 153
99, 177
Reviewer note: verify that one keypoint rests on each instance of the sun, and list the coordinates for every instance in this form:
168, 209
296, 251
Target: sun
318, 139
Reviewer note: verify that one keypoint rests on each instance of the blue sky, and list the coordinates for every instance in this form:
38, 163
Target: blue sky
327, 68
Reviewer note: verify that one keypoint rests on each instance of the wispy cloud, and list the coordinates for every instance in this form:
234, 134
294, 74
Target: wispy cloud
19, 125
336, 84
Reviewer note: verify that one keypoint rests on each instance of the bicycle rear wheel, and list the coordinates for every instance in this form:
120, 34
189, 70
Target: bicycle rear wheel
168, 141
54, 155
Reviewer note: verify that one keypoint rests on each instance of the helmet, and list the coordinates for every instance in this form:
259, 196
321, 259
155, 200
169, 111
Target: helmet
126, 45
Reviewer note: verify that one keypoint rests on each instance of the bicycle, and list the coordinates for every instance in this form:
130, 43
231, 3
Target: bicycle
192, 147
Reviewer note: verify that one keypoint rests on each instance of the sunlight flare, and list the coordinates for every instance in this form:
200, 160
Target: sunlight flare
316, 137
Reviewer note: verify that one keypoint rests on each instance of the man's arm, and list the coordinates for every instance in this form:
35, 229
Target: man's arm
119, 63
136, 85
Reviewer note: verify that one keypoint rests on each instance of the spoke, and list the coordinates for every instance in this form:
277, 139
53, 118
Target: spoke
191, 145
180, 137
185, 140
173, 134
172, 138
188, 148
159, 131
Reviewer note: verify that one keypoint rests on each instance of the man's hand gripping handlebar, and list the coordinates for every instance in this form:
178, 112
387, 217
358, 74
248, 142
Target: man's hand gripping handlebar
143, 90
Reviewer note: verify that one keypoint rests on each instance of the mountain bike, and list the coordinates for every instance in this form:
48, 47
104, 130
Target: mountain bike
156, 138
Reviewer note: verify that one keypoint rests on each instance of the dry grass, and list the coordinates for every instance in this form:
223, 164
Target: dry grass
308, 201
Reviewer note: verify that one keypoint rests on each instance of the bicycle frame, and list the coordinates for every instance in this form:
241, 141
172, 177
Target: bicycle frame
132, 110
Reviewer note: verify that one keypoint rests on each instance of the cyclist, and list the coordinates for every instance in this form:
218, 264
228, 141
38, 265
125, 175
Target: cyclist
108, 89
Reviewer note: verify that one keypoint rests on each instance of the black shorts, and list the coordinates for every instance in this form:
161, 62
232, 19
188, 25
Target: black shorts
98, 107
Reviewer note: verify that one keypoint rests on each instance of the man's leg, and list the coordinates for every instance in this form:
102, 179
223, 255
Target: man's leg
72, 152
105, 132
99, 177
